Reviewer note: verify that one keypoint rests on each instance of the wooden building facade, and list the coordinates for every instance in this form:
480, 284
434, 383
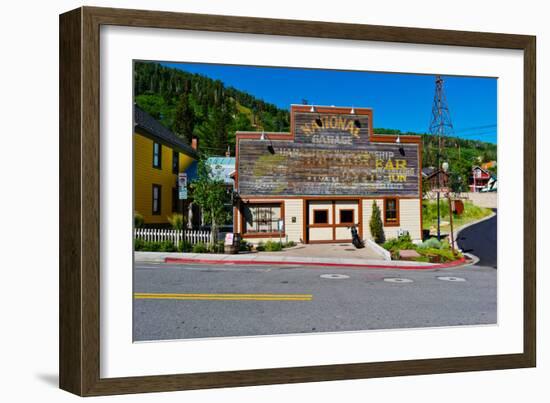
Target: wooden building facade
323, 177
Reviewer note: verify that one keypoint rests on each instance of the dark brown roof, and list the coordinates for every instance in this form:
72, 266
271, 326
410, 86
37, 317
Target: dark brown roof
152, 127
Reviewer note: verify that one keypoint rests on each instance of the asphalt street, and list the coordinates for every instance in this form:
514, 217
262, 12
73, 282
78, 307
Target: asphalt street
178, 301
481, 240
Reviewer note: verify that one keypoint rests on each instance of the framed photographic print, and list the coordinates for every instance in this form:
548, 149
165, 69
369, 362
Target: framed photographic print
248, 201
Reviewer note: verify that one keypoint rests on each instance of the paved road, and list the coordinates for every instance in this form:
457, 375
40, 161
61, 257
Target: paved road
195, 301
481, 240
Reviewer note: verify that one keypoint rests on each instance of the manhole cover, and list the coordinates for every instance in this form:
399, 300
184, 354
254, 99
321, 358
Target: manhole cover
448, 278
334, 276
398, 280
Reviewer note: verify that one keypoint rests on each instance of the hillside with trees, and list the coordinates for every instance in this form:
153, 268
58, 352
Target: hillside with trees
195, 105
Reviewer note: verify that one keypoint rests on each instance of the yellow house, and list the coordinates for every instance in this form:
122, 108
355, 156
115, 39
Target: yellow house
159, 155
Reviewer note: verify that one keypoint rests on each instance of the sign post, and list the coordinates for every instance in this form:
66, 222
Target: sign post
451, 222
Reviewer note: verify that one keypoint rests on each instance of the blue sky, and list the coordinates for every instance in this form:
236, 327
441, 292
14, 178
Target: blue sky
399, 101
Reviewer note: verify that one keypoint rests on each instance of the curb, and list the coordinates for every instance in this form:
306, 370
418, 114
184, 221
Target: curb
455, 263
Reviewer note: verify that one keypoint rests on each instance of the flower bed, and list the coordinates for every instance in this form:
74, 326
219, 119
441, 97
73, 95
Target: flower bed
431, 250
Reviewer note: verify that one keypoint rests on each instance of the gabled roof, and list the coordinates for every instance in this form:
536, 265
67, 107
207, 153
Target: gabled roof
486, 172
148, 125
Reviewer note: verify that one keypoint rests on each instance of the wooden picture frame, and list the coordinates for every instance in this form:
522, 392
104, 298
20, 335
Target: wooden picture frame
79, 278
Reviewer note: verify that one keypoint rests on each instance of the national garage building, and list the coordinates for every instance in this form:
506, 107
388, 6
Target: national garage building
323, 176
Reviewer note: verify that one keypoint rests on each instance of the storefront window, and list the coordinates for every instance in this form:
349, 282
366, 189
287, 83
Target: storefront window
262, 218
391, 216
320, 216
346, 216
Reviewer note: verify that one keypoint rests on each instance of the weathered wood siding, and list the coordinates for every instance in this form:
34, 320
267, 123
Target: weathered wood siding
286, 168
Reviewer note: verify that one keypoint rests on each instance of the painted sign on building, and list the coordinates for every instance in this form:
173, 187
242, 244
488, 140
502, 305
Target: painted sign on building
331, 128
307, 169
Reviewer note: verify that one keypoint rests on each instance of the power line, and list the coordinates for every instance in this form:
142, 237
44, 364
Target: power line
465, 129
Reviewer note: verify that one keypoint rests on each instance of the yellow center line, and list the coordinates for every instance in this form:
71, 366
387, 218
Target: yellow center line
227, 297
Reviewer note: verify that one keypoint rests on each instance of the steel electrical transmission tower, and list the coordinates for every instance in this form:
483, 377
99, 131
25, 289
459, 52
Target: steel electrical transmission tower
440, 126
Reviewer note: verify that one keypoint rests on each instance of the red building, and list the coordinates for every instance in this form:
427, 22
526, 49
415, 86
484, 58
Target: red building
479, 179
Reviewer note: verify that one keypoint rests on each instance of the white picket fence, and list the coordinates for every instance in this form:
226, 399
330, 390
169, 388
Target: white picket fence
157, 235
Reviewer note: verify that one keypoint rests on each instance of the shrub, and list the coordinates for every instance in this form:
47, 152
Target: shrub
272, 246
138, 220
138, 244
375, 225
260, 247
177, 221
167, 246
399, 243
218, 247
151, 246
185, 246
200, 248
245, 246
431, 243
289, 244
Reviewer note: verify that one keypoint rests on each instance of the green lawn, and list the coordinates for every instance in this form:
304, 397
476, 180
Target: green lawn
429, 215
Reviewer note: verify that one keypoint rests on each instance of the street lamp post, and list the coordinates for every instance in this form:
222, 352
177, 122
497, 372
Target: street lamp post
444, 167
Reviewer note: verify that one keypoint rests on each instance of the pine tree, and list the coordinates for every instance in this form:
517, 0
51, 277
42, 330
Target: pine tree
185, 118
375, 225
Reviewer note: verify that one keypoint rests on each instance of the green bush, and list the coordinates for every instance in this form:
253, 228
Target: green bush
289, 244
272, 246
200, 248
245, 246
260, 247
177, 221
185, 246
152, 246
218, 247
399, 243
138, 244
138, 220
375, 225
167, 246
431, 243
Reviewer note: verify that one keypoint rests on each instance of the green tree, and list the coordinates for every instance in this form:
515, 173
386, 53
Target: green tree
376, 226
185, 119
213, 133
210, 195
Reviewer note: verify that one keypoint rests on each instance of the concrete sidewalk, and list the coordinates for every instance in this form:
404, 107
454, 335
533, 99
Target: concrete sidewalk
282, 259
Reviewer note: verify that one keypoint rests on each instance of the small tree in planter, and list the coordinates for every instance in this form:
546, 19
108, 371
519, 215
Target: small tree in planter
375, 225
210, 194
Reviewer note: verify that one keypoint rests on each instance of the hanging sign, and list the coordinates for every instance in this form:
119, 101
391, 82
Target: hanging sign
182, 185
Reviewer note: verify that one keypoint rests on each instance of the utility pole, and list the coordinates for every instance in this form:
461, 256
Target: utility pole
440, 126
